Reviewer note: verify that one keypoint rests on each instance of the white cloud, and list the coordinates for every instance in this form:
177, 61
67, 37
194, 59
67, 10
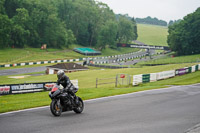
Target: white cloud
162, 9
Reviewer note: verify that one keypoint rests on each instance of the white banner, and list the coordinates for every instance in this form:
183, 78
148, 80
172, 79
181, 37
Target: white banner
165, 74
137, 79
193, 68
153, 77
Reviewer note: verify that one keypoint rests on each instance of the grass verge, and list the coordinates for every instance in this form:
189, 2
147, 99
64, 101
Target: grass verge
9, 56
88, 91
174, 60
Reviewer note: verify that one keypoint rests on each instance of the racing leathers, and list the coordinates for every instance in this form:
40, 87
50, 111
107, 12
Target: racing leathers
68, 86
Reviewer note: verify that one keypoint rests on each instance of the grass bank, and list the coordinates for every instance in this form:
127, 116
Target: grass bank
9, 56
173, 60
152, 35
149, 34
87, 85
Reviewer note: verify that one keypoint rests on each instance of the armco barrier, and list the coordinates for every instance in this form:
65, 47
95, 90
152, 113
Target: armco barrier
29, 87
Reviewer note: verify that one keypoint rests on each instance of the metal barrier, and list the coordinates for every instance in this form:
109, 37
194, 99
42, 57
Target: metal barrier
119, 80
106, 82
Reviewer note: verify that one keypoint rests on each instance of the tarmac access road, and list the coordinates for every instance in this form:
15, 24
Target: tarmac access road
43, 68
169, 110
22, 70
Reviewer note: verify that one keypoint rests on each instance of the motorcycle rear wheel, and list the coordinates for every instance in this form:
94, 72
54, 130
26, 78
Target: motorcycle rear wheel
80, 107
55, 110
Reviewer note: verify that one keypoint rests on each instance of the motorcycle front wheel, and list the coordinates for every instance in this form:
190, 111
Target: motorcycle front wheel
56, 110
79, 107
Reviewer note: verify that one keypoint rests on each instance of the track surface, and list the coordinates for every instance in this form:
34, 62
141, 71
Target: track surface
43, 68
22, 70
171, 110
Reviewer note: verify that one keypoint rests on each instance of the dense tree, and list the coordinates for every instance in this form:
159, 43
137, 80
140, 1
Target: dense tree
2, 9
107, 35
149, 20
5, 30
184, 36
171, 22
61, 23
126, 30
134, 28
19, 32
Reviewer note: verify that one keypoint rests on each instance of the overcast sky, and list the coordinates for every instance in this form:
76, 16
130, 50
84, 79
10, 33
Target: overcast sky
161, 9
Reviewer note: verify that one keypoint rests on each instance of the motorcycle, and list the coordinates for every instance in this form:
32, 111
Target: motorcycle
63, 101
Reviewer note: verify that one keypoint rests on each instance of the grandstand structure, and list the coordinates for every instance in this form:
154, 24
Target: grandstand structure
87, 51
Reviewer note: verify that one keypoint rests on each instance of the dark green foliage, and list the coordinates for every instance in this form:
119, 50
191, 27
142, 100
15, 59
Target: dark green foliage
149, 20
184, 36
107, 35
5, 31
126, 31
60, 23
171, 22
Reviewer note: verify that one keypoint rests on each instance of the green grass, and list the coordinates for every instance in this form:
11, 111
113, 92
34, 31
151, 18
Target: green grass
152, 35
173, 60
35, 54
24, 101
9, 56
87, 79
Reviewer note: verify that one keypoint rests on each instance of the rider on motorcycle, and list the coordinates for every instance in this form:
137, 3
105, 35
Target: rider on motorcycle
67, 85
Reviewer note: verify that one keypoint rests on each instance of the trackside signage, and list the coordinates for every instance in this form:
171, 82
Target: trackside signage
4, 90
165, 74
143, 46
27, 88
30, 87
181, 71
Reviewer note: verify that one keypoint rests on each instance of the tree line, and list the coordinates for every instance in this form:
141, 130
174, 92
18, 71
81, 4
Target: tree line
171, 22
60, 23
184, 35
153, 21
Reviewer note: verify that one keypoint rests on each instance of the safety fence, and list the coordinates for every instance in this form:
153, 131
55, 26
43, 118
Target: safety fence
119, 80
152, 77
29, 87
102, 81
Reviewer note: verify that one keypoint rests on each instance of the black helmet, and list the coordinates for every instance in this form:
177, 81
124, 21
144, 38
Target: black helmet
60, 74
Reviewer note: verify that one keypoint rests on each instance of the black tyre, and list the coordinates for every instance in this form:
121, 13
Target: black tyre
80, 106
55, 109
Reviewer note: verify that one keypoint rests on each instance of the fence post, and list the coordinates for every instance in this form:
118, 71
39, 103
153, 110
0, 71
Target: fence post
96, 82
116, 81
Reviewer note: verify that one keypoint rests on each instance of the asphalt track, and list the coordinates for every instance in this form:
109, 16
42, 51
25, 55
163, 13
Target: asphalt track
43, 68
22, 70
171, 110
